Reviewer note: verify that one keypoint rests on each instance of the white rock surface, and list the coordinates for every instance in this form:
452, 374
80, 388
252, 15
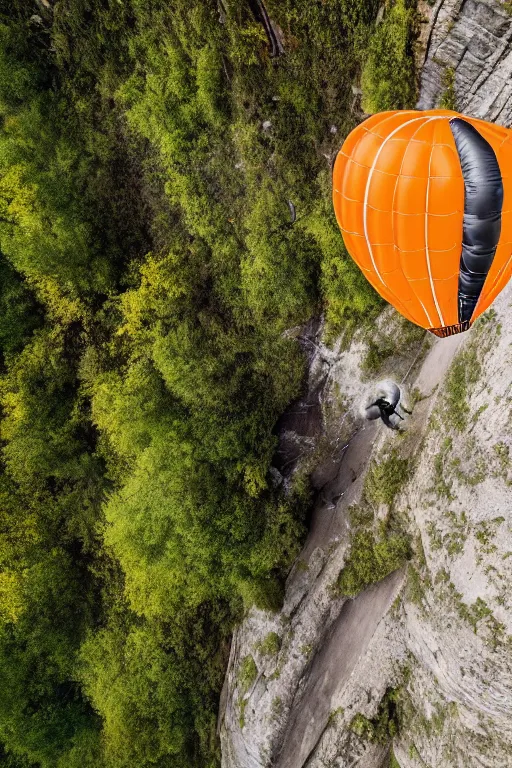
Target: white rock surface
472, 37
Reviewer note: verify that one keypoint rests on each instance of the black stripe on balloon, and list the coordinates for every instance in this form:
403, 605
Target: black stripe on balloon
483, 203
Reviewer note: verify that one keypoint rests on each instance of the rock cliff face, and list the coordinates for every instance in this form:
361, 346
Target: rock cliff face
457, 621
439, 630
310, 686
296, 679
470, 39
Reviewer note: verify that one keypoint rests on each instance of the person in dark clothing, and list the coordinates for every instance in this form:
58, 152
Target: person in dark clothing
386, 409
388, 399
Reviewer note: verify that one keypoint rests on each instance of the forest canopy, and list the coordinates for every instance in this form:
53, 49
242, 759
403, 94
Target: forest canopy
148, 270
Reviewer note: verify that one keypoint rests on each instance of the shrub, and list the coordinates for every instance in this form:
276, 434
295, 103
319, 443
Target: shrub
385, 479
371, 560
247, 673
270, 645
384, 726
448, 97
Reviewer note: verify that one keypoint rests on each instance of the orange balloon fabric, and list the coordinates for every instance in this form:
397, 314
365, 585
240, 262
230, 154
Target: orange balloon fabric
399, 198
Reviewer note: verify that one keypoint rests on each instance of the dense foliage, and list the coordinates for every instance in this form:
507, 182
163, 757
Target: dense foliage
148, 270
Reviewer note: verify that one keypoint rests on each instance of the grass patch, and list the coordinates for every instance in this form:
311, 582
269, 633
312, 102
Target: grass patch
241, 717
475, 612
442, 577
470, 471
247, 673
479, 412
385, 479
441, 487
448, 98
384, 726
485, 532
277, 707
374, 553
415, 588
502, 458
334, 714
270, 645
400, 341
371, 560
477, 474
465, 372
376, 355
435, 538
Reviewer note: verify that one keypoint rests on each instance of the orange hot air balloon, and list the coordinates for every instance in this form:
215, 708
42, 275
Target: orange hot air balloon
424, 203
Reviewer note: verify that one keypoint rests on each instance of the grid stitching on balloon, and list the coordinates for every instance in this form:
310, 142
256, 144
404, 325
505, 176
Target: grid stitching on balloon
394, 212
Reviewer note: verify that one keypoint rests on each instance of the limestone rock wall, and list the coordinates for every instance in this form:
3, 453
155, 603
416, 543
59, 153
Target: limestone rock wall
323, 658
471, 37
458, 621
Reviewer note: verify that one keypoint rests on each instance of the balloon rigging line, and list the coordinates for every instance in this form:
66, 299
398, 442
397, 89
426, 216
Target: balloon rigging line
416, 358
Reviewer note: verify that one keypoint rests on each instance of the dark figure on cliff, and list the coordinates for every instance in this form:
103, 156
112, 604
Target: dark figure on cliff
386, 409
384, 406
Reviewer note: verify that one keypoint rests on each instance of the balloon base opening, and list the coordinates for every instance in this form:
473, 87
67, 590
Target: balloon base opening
451, 330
